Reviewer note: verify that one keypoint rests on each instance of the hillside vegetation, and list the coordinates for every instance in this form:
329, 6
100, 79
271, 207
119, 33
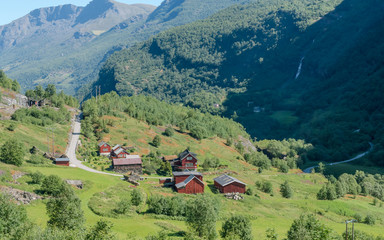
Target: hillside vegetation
250, 66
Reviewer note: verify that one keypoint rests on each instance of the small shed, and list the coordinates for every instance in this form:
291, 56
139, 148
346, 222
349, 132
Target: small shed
104, 149
131, 163
191, 185
229, 184
61, 161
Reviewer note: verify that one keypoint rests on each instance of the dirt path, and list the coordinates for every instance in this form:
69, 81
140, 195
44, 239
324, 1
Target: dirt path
308, 170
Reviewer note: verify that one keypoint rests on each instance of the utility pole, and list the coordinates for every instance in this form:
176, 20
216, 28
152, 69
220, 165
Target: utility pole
353, 228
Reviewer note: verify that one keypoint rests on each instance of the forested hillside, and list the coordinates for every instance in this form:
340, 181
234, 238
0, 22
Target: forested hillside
68, 44
298, 68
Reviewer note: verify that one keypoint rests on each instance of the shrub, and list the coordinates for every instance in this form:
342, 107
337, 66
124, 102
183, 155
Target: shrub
286, 190
265, 186
156, 141
237, 226
123, 206
136, 197
37, 177
12, 152
169, 132
370, 220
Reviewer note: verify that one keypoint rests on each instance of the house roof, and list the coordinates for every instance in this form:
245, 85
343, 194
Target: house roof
61, 159
224, 180
129, 160
170, 157
186, 173
118, 151
186, 181
102, 143
185, 153
116, 147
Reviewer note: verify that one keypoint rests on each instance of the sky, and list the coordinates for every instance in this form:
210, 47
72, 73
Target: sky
13, 9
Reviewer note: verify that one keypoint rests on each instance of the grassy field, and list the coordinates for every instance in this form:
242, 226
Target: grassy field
266, 211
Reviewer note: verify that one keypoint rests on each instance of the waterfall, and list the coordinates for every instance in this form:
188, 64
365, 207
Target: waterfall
299, 68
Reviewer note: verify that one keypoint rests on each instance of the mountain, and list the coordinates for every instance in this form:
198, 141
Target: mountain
67, 45
33, 49
298, 68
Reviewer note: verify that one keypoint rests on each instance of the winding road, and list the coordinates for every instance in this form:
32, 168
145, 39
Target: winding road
308, 170
71, 151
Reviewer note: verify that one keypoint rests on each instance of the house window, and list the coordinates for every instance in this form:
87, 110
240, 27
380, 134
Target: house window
189, 164
105, 149
189, 158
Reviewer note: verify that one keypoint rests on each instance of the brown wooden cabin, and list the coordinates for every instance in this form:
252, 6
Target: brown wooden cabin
61, 161
131, 163
187, 161
229, 184
188, 182
104, 149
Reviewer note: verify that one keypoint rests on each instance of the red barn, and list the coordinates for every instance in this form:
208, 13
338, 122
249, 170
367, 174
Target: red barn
187, 161
62, 161
104, 149
188, 182
119, 152
228, 184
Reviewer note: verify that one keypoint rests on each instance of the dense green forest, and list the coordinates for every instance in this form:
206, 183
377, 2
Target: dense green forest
154, 112
281, 68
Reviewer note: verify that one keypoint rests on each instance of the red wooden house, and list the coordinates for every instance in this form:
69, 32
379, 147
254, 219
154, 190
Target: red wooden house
228, 184
104, 149
61, 161
187, 161
188, 182
119, 152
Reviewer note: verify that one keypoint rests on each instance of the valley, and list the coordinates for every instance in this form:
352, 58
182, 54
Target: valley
278, 104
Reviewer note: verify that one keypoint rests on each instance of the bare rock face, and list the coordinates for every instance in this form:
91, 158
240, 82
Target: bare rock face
76, 183
22, 197
235, 196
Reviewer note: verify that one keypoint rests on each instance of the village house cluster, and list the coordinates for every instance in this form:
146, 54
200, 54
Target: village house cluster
122, 160
185, 177
187, 180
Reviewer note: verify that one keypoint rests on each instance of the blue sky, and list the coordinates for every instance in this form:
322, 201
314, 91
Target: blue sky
13, 9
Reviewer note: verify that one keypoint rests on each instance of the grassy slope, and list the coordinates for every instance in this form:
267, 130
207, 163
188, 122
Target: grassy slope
271, 212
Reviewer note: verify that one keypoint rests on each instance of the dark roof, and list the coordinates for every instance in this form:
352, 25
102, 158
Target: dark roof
169, 157
116, 147
129, 160
224, 180
186, 173
186, 181
118, 151
102, 143
61, 159
185, 153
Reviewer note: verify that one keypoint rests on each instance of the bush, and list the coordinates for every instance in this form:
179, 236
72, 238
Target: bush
136, 197
249, 191
156, 141
11, 127
265, 186
52, 185
123, 206
169, 132
286, 190
237, 226
12, 152
37, 177
370, 220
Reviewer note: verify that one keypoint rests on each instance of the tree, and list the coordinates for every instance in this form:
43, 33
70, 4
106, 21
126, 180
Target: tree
101, 231
13, 221
136, 197
52, 185
307, 227
65, 211
37, 177
202, 216
12, 152
286, 190
156, 141
169, 132
321, 168
237, 227
50, 90
123, 206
